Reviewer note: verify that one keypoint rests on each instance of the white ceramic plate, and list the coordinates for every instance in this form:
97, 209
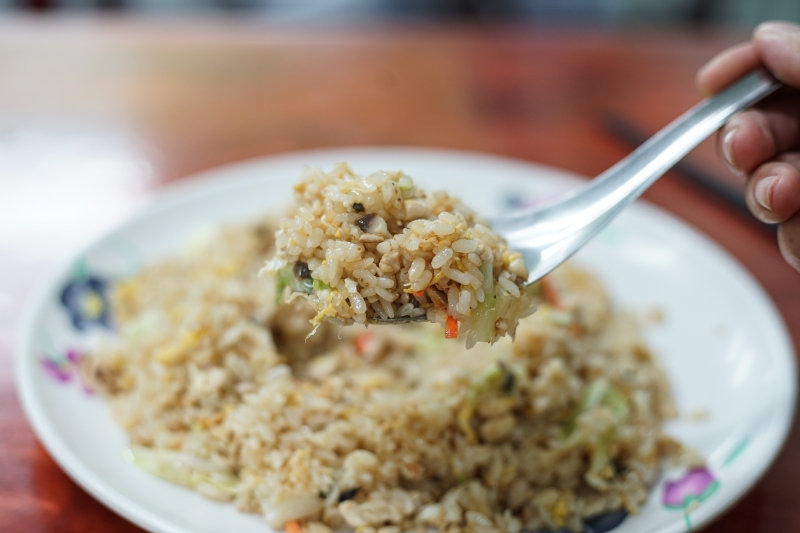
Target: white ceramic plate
722, 342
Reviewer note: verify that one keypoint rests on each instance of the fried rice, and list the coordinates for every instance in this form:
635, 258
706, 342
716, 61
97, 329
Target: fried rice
377, 247
380, 429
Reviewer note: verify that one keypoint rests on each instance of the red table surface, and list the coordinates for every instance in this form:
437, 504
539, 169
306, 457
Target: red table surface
96, 114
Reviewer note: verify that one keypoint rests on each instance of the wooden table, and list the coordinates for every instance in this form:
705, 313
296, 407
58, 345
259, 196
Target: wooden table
97, 114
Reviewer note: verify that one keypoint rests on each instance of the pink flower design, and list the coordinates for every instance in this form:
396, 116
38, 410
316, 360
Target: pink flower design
693, 487
63, 368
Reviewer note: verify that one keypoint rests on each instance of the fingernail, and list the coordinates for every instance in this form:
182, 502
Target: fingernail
727, 149
763, 191
776, 28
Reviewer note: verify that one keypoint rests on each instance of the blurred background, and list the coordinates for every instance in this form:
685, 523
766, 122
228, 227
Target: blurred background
102, 102
740, 13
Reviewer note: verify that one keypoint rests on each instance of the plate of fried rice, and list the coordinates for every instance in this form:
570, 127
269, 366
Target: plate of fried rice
191, 389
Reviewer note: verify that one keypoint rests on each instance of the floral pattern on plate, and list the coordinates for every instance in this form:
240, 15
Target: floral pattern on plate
85, 299
64, 367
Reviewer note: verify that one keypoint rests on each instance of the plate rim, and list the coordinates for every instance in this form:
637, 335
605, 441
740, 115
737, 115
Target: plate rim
202, 183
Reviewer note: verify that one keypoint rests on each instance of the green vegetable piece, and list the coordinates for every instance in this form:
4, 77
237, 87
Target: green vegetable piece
598, 392
407, 187
498, 377
182, 469
286, 277
283, 279
485, 314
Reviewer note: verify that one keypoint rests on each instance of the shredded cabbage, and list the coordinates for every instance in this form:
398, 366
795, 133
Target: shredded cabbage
499, 378
183, 469
480, 326
599, 392
278, 513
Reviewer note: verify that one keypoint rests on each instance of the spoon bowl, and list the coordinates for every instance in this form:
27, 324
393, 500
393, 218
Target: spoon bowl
548, 236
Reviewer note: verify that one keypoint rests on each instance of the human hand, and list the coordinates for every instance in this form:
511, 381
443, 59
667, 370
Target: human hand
763, 143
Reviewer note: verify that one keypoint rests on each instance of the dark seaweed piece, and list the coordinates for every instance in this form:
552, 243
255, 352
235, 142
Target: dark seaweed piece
364, 222
359, 208
508, 378
601, 523
348, 494
301, 270
605, 522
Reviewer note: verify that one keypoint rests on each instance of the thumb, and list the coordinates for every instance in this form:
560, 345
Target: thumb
778, 45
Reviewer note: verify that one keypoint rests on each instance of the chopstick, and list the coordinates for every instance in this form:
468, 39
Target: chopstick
624, 130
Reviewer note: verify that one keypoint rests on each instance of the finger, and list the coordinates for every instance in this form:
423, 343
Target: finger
778, 46
789, 241
727, 67
773, 191
757, 135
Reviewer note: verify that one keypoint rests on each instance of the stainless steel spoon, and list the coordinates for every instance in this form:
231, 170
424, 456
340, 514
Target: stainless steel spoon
549, 235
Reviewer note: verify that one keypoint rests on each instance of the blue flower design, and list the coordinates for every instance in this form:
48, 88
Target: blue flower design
85, 300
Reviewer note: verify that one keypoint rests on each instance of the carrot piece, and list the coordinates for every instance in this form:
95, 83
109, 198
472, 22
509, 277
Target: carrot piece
292, 527
362, 341
451, 328
418, 294
549, 293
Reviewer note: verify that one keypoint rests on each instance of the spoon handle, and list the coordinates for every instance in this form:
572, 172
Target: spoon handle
563, 227
629, 178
